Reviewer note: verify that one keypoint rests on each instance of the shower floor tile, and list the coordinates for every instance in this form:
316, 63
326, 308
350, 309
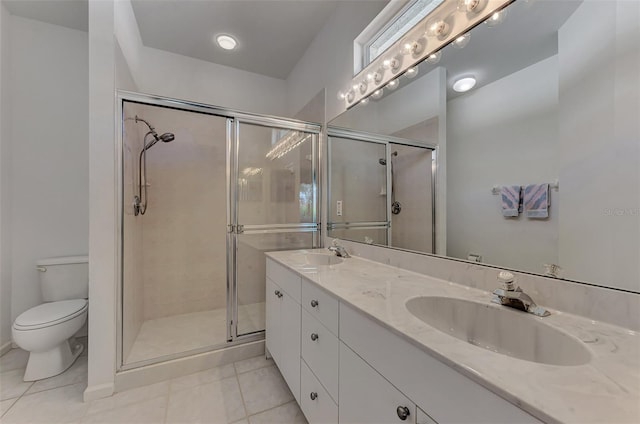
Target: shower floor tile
181, 333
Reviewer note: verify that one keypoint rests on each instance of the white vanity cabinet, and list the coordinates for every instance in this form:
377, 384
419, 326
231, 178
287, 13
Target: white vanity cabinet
283, 322
344, 367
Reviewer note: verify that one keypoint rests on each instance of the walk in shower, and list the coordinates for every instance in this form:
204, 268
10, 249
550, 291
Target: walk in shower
205, 192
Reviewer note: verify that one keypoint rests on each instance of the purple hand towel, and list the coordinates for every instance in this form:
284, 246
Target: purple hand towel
510, 200
536, 201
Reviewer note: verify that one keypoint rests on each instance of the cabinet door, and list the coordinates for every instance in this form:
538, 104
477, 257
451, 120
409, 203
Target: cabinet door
273, 330
423, 418
290, 316
366, 397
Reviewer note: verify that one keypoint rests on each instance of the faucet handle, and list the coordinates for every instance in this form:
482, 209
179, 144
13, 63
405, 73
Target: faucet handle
506, 280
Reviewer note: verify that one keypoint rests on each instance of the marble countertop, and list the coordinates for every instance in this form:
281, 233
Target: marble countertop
606, 390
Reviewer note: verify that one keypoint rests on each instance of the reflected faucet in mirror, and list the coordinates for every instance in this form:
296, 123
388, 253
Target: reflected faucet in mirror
338, 249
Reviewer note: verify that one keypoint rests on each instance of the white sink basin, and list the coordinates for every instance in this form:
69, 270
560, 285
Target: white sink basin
500, 329
317, 259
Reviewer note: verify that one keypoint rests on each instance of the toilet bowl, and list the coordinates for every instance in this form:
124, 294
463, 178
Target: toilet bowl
44, 331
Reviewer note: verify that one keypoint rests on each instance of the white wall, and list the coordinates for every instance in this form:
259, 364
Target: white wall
328, 62
504, 133
5, 187
168, 74
49, 168
103, 265
600, 144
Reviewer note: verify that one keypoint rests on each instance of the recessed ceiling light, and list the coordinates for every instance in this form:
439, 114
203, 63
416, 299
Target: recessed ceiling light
227, 42
464, 84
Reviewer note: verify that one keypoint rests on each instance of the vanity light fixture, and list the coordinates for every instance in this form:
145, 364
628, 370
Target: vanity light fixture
464, 84
227, 42
448, 23
286, 144
462, 41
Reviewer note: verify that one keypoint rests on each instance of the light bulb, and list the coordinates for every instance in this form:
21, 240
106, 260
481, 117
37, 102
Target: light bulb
364, 101
438, 28
406, 48
362, 87
471, 6
392, 64
464, 84
375, 77
227, 42
393, 85
496, 18
434, 58
377, 94
411, 72
350, 96
461, 41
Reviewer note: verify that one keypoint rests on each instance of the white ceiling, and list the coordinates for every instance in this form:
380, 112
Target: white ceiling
72, 14
272, 34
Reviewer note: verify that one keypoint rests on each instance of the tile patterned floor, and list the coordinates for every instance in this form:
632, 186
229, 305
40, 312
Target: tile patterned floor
251, 391
185, 332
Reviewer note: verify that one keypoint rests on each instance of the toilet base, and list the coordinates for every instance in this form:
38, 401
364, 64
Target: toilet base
53, 361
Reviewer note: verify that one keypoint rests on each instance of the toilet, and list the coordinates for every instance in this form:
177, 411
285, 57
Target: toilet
46, 331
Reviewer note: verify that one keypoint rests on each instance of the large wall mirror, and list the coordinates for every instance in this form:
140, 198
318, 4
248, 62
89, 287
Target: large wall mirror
556, 101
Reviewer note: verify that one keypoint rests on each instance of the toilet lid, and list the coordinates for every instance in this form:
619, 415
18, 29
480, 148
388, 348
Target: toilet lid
51, 313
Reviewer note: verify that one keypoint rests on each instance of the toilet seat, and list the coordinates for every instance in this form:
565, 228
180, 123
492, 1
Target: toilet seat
50, 314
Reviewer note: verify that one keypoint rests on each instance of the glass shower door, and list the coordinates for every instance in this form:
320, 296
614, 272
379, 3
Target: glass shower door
275, 209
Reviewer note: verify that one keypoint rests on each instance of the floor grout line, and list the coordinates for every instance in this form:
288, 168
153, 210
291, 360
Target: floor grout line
244, 405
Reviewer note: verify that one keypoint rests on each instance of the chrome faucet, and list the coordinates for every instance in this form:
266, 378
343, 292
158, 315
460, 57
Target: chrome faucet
338, 250
515, 298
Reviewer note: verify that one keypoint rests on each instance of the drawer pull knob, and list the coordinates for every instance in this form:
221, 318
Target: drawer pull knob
314, 303
313, 396
314, 336
278, 293
403, 412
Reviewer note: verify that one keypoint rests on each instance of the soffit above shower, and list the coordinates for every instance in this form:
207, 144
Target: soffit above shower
272, 35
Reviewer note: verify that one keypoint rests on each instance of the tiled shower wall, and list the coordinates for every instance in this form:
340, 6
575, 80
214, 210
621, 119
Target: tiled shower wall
184, 228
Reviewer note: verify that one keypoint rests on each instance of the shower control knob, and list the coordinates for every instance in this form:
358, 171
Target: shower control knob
313, 396
403, 412
314, 303
278, 293
314, 336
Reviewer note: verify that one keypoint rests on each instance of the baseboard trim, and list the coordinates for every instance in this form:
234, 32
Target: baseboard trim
6, 347
98, 391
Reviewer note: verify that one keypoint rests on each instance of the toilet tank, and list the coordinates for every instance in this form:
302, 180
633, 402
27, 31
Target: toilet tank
64, 278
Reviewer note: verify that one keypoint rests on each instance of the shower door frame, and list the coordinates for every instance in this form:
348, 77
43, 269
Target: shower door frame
386, 140
233, 119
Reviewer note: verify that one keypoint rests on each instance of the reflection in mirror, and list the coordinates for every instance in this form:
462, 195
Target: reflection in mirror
556, 99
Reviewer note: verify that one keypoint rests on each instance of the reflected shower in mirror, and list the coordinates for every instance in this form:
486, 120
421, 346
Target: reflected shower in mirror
556, 101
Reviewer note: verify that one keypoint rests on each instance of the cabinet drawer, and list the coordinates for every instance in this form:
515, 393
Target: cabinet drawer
366, 397
289, 281
320, 351
321, 305
316, 404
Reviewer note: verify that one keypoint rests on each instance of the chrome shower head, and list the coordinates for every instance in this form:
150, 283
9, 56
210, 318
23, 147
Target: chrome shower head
167, 137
